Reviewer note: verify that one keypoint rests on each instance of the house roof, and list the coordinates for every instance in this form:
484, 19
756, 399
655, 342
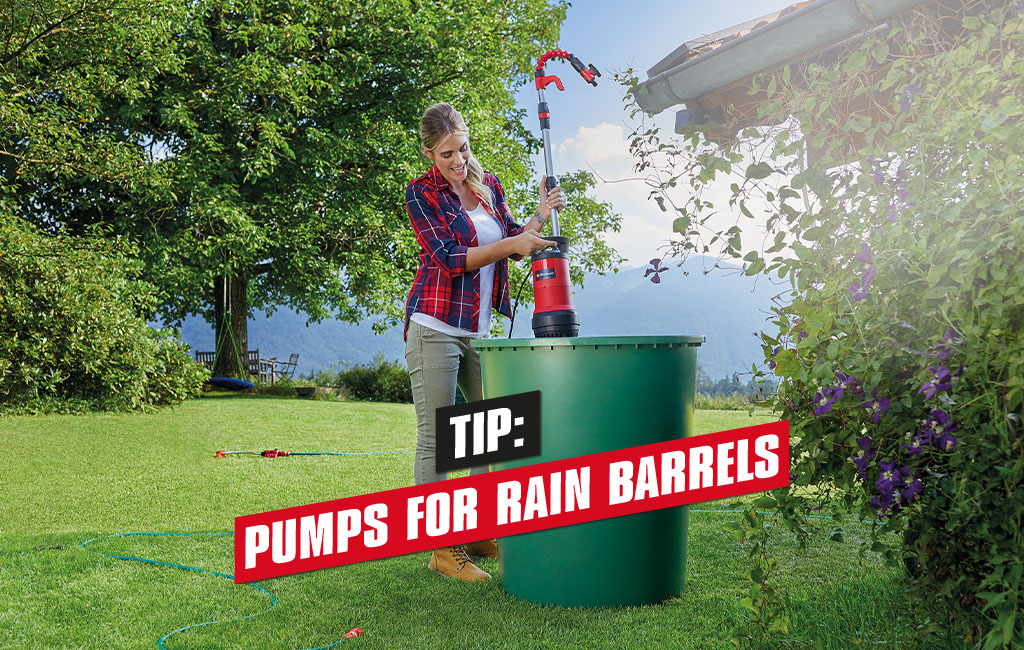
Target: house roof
707, 42
705, 65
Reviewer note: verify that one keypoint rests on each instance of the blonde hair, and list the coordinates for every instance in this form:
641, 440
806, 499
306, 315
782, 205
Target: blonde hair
439, 122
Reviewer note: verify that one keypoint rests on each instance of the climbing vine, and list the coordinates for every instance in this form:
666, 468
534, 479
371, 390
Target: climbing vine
883, 189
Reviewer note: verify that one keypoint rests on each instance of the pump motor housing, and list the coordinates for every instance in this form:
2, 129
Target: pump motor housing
553, 314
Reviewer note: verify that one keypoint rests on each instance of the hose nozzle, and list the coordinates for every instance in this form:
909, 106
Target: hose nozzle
589, 72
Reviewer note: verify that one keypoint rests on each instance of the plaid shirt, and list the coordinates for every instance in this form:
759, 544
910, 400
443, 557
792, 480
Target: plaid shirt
443, 288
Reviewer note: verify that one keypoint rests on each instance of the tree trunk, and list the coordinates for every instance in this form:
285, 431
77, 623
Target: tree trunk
232, 326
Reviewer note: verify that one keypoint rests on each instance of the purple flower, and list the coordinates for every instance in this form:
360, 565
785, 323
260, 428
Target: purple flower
887, 479
928, 390
910, 492
800, 334
909, 92
823, 405
867, 276
775, 353
865, 254
938, 423
895, 491
825, 398
850, 383
876, 170
945, 442
914, 447
859, 290
862, 466
893, 209
949, 342
942, 379
864, 458
656, 268
878, 406
937, 432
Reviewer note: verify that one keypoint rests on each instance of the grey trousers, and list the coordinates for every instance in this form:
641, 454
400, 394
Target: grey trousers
437, 363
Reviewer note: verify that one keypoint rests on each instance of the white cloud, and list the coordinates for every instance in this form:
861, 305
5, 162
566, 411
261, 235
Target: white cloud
597, 144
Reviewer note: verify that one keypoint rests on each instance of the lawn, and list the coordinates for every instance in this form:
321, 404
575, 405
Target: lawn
68, 479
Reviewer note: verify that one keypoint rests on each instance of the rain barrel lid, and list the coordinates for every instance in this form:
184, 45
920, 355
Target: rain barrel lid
587, 342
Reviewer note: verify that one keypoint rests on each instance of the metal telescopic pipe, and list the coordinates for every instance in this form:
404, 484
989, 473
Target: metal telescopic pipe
549, 174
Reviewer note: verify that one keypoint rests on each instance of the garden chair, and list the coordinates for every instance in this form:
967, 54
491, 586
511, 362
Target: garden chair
287, 369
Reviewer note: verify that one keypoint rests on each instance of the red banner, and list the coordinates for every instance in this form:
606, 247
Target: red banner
511, 502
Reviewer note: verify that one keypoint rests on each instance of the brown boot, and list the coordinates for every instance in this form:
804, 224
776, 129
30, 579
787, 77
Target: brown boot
485, 548
453, 562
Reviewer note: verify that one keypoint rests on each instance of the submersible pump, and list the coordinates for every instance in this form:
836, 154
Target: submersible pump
554, 314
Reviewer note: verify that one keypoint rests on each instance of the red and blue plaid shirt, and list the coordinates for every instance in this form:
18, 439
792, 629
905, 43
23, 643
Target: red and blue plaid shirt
443, 288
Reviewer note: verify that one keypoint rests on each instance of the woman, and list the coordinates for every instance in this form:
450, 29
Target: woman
466, 235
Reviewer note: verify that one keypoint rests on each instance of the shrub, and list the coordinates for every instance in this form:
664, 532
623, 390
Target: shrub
900, 347
283, 387
380, 381
322, 377
72, 332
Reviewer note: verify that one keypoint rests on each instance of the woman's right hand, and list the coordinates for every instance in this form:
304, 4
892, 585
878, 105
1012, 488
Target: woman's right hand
527, 243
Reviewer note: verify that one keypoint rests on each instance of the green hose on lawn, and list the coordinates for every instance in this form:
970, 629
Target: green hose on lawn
257, 587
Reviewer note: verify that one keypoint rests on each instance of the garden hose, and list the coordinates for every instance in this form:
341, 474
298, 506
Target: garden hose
354, 632
276, 453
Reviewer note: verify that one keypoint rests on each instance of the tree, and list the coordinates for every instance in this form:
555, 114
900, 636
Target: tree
263, 154
60, 65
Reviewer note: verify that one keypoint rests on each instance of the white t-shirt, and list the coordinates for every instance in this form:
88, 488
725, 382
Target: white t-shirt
488, 231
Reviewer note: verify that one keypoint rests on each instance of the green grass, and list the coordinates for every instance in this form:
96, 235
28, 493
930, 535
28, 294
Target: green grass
67, 479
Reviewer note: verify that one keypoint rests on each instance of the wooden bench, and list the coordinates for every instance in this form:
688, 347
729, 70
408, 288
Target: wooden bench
206, 358
262, 369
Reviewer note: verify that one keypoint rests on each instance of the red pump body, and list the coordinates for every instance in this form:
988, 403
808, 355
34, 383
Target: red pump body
553, 313
551, 287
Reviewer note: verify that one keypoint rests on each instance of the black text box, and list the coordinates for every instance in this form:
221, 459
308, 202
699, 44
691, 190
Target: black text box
488, 431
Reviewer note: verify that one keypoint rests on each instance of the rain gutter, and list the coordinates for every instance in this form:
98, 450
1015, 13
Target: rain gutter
804, 30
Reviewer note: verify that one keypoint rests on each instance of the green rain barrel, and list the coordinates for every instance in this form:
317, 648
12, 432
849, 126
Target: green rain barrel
598, 394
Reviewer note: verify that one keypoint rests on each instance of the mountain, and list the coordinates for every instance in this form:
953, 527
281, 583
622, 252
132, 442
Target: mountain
725, 306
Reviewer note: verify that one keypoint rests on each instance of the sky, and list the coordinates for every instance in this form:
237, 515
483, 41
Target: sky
588, 129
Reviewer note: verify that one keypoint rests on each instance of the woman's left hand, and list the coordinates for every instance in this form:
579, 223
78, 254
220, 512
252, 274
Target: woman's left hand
553, 200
